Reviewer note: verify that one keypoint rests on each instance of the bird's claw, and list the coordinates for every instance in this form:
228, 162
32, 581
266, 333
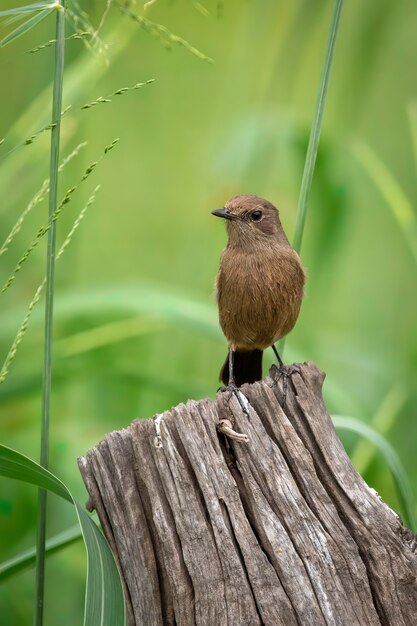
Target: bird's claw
243, 402
282, 372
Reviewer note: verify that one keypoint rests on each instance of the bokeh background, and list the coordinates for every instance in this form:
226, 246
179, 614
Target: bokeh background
136, 323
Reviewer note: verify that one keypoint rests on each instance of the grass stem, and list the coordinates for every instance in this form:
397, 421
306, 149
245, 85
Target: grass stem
314, 139
50, 270
313, 142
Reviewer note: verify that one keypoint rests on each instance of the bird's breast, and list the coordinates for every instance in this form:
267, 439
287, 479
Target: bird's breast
259, 295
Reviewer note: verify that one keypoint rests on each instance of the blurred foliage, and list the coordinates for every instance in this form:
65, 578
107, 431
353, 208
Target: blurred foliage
136, 328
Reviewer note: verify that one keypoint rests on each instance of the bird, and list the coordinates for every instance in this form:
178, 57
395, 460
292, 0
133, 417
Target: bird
259, 286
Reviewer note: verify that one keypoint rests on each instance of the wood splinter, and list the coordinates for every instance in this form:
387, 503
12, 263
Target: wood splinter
225, 427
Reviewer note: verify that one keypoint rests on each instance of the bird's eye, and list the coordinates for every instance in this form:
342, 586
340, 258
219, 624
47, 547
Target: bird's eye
256, 216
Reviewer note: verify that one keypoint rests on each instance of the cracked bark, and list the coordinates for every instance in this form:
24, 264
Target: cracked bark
279, 531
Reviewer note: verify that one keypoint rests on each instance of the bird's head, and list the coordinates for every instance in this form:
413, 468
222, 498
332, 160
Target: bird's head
251, 219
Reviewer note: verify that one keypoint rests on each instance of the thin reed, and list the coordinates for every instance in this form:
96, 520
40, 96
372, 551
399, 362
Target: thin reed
58, 82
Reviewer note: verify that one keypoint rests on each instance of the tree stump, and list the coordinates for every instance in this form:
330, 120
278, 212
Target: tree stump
210, 530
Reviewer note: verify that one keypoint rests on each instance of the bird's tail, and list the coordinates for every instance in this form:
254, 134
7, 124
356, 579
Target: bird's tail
247, 367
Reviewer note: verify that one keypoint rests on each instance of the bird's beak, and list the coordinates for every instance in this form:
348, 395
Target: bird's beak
225, 213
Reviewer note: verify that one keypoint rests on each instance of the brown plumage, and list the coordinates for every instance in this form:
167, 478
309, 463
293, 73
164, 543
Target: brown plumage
259, 285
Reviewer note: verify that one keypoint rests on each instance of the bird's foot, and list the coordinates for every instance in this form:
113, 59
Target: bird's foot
285, 372
234, 390
281, 372
285, 377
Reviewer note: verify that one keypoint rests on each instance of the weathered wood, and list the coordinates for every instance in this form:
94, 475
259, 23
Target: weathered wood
278, 531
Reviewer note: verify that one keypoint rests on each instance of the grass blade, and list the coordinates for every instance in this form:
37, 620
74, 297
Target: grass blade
104, 600
28, 8
313, 142
107, 334
399, 475
104, 593
412, 116
314, 139
25, 27
382, 421
401, 208
27, 559
139, 299
17, 466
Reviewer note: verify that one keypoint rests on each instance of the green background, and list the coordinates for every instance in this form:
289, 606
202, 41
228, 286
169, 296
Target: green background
136, 323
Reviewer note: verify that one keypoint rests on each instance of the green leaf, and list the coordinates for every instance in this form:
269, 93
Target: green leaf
104, 602
27, 559
15, 465
25, 27
404, 492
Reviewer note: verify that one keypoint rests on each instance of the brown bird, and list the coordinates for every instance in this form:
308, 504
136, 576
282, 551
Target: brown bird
259, 286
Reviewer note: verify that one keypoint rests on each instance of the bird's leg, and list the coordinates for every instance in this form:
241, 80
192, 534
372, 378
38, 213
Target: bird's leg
283, 373
231, 382
231, 385
280, 361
